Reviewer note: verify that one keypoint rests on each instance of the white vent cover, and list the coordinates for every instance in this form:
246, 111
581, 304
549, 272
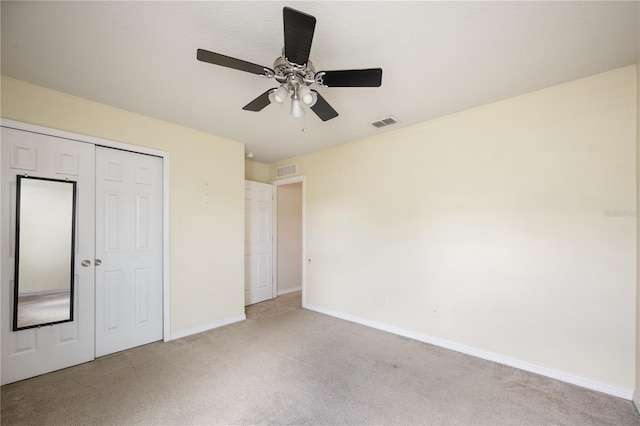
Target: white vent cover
385, 122
288, 170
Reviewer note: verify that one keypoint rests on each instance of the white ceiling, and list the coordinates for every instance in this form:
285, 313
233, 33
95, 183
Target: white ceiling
437, 58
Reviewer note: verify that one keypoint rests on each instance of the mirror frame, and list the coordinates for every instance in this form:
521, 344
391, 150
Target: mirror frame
17, 253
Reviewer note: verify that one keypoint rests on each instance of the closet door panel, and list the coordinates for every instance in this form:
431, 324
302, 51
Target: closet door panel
30, 352
129, 292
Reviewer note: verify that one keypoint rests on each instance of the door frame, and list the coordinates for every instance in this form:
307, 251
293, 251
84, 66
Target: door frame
275, 184
166, 300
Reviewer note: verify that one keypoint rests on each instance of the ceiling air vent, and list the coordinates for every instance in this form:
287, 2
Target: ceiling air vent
385, 122
288, 170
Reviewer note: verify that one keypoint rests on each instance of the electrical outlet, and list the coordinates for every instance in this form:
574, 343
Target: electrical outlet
435, 311
384, 301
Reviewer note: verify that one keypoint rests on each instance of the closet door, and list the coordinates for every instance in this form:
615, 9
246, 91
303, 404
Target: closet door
129, 246
30, 352
258, 240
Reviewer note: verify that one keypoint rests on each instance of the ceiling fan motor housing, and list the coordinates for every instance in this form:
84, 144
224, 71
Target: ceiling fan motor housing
290, 73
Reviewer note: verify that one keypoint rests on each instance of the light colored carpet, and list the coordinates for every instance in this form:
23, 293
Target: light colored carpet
287, 365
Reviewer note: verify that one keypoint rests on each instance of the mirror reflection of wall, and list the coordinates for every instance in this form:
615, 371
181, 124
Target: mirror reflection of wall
44, 244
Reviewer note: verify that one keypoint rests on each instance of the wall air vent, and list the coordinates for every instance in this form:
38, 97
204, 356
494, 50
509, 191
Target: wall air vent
385, 122
288, 170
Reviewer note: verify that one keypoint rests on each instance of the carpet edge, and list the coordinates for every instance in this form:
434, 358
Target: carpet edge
207, 327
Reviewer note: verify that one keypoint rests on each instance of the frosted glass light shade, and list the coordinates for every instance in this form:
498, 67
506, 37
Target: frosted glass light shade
305, 95
281, 95
296, 108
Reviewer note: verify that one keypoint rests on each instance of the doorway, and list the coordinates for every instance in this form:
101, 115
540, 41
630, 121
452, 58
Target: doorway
289, 236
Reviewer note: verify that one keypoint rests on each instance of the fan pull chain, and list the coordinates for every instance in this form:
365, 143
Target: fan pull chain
304, 120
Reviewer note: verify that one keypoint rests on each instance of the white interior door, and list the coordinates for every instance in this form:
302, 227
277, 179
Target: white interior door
129, 246
35, 351
258, 278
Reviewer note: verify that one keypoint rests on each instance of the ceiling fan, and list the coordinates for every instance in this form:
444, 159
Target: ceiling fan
295, 72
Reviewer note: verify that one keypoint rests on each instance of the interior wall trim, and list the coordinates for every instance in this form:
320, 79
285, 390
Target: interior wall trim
289, 290
483, 354
207, 327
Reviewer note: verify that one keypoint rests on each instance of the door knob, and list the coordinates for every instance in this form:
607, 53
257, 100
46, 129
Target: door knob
85, 263
97, 262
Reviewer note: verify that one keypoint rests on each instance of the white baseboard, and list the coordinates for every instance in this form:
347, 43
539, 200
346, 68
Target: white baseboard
207, 327
481, 353
289, 290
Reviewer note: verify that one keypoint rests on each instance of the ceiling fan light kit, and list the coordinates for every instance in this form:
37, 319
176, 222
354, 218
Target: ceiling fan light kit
295, 72
281, 94
306, 95
296, 107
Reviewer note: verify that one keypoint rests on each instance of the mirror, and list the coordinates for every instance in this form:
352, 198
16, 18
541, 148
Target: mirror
45, 235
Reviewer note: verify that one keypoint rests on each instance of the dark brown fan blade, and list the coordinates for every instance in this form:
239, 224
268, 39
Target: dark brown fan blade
229, 62
323, 109
371, 77
298, 35
260, 102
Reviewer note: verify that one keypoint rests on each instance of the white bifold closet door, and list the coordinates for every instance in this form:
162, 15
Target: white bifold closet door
31, 352
118, 292
129, 246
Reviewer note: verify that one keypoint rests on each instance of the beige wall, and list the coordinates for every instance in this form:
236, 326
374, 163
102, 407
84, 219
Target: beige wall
507, 219
289, 237
255, 171
206, 200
